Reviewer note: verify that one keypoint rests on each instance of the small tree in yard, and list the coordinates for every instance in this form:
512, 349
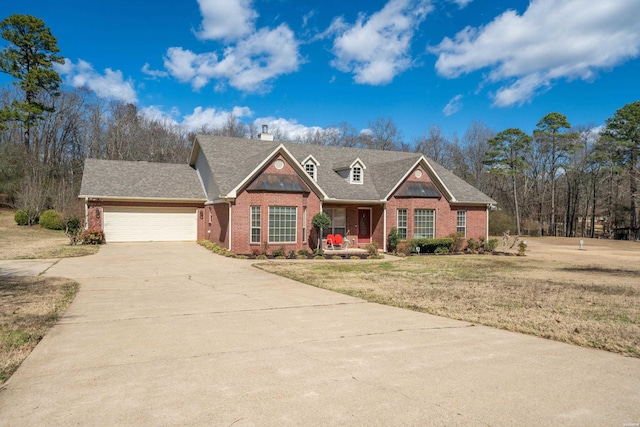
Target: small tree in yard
320, 221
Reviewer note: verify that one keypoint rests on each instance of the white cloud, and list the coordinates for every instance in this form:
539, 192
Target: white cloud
290, 128
462, 3
156, 113
154, 74
250, 63
551, 40
203, 118
110, 85
226, 19
377, 48
453, 106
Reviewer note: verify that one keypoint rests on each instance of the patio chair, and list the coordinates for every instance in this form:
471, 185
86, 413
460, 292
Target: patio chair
337, 241
330, 241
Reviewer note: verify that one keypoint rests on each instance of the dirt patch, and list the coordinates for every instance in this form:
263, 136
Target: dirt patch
29, 307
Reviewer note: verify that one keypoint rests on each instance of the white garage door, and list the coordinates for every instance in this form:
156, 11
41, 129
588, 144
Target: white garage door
134, 224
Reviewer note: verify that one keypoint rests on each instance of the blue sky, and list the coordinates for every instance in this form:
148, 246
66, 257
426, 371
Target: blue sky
297, 65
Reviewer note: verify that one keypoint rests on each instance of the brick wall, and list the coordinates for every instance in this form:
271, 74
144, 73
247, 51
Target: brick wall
241, 215
445, 214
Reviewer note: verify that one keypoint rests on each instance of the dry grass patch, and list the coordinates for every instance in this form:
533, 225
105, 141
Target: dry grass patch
588, 305
29, 307
34, 242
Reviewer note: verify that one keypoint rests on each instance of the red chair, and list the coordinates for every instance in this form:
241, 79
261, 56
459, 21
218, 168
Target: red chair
330, 241
338, 241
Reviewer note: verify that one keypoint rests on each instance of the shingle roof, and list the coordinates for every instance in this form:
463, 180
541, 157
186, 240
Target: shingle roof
124, 179
233, 159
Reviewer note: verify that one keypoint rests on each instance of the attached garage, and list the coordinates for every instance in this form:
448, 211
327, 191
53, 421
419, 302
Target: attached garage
149, 224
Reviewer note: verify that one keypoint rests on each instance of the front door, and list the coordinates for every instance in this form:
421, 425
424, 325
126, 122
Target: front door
364, 225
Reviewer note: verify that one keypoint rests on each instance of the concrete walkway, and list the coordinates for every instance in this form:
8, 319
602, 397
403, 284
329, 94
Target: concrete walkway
171, 334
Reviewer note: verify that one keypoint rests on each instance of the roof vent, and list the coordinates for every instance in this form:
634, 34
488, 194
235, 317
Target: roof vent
265, 135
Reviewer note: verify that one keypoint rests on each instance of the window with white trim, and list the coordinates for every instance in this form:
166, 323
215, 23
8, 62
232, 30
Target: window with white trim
461, 226
310, 169
402, 223
338, 218
255, 224
423, 223
356, 174
282, 224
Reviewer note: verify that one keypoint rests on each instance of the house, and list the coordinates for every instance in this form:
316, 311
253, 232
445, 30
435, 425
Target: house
246, 194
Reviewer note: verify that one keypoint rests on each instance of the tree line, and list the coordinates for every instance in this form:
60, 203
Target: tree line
559, 180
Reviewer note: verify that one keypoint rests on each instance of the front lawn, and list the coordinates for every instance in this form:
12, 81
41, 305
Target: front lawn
565, 298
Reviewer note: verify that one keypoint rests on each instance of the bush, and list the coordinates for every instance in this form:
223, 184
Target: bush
403, 248
318, 252
372, 249
21, 218
73, 225
278, 252
457, 243
261, 256
51, 220
491, 245
473, 245
291, 254
392, 243
441, 250
303, 252
522, 247
73, 228
92, 236
429, 246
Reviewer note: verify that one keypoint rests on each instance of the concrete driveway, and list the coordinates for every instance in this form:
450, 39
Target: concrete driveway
170, 334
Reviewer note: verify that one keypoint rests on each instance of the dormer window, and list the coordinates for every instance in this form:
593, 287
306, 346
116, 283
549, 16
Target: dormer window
352, 171
310, 165
356, 175
310, 168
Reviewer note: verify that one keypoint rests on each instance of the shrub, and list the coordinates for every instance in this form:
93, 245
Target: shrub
92, 236
21, 218
278, 252
522, 247
372, 249
336, 257
392, 242
73, 225
261, 256
429, 246
303, 252
403, 248
72, 229
51, 220
473, 245
457, 242
302, 257
491, 245
291, 254
441, 250
318, 252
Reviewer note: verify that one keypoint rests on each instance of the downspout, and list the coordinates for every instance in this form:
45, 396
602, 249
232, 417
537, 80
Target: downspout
486, 230
384, 229
86, 213
230, 228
